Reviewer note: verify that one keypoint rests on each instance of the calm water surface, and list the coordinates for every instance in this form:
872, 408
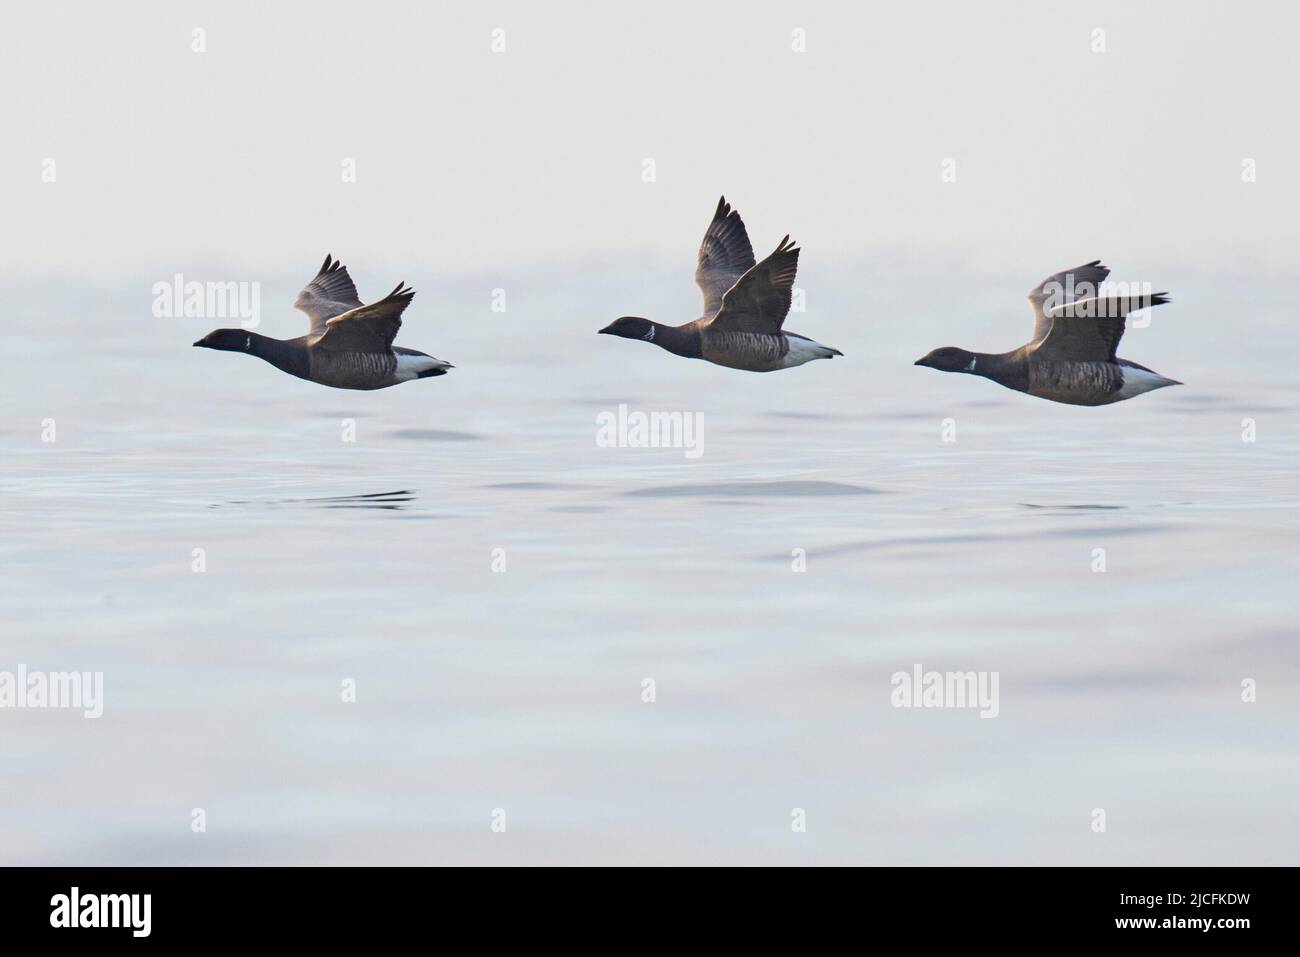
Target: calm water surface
521, 689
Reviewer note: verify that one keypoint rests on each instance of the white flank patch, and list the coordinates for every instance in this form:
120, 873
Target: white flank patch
1137, 381
804, 350
410, 367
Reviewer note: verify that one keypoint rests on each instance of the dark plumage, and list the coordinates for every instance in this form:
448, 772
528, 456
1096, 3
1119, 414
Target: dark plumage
1071, 356
350, 345
745, 305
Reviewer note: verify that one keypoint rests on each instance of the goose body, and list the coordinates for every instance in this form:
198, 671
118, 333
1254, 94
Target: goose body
1071, 358
372, 370
757, 352
745, 305
350, 344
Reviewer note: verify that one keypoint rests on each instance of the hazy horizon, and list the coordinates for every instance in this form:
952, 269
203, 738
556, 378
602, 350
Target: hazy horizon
469, 160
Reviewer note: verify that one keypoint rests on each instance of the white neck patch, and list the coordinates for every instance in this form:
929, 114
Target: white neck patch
248, 343
971, 367
650, 336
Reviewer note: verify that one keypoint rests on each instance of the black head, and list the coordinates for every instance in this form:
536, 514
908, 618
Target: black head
948, 359
228, 340
630, 327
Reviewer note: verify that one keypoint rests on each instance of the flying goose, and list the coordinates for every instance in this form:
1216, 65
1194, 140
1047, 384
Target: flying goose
349, 345
1071, 357
744, 306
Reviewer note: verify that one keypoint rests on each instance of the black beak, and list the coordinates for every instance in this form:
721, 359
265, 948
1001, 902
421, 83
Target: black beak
199, 343
604, 332
918, 362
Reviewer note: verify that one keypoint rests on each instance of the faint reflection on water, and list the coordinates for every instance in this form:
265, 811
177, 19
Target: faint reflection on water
754, 489
799, 416
1067, 508
910, 541
386, 500
433, 435
534, 487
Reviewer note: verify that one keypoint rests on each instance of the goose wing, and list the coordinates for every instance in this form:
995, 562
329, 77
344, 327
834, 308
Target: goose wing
1089, 330
369, 328
725, 256
330, 294
1077, 283
760, 299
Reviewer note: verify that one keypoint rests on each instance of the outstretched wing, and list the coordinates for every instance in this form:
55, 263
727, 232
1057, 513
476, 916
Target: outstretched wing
1089, 329
330, 294
725, 256
1077, 283
760, 299
369, 328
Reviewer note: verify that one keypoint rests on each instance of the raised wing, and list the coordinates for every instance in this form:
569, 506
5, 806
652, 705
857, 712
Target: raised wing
1077, 283
369, 328
725, 256
760, 299
1089, 329
330, 294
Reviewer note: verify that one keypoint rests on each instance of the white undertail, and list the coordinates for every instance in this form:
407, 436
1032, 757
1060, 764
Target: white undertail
410, 367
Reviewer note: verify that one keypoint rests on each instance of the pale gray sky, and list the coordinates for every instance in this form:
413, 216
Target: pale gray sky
170, 159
